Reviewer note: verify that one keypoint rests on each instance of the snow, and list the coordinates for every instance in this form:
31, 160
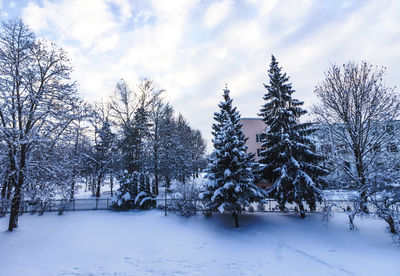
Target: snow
142, 193
148, 243
126, 196
221, 208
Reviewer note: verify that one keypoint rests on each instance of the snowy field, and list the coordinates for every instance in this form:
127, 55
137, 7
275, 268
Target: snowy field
147, 243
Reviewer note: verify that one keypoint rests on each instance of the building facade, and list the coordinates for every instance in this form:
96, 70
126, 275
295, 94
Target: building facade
388, 152
253, 129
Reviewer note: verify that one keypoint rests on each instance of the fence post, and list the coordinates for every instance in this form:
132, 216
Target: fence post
165, 199
73, 205
107, 202
97, 202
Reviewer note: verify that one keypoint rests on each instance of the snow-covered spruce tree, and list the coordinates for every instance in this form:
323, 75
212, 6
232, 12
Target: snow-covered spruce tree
231, 182
127, 192
145, 198
102, 156
288, 158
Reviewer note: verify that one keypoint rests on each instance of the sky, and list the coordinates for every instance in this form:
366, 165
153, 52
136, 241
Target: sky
192, 48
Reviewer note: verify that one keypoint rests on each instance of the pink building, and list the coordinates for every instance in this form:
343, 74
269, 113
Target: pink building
253, 128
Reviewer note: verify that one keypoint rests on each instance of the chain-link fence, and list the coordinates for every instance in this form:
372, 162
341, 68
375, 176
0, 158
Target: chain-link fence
189, 205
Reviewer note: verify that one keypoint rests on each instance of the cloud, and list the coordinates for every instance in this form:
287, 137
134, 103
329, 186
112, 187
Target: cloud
217, 12
192, 48
86, 22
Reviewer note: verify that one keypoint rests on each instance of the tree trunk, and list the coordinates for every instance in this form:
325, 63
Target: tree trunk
390, 221
302, 212
361, 176
98, 187
165, 198
281, 206
18, 184
111, 184
15, 204
363, 202
156, 181
351, 222
9, 190
236, 219
86, 183
93, 185
156, 168
72, 189
4, 188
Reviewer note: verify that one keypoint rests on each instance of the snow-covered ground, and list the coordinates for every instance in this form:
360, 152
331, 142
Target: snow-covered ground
147, 243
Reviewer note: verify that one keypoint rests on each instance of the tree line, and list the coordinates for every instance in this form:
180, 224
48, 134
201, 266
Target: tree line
356, 125
52, 141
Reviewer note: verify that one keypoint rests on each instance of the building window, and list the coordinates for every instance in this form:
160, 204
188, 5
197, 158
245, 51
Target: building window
258, 152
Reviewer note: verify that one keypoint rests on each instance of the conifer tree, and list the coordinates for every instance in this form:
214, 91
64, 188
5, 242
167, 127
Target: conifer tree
127, 191
288, 156
145, 198
231, 182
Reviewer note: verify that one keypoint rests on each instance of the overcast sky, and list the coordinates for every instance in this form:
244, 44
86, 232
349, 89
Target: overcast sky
192, 48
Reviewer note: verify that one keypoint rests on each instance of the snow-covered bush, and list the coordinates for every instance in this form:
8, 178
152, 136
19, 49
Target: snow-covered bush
185, 197
261, 207
127, 192
386, 203
63, 205
250, 209
37, 207
327, 213
134, 192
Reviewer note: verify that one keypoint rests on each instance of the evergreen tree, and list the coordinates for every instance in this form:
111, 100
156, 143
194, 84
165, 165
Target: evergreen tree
168, 146
183, 158
102, 157
127, 191
140, 133
231, 182
288, 154
145, 198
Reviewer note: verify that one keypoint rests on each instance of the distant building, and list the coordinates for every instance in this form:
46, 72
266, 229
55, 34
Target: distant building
253, 129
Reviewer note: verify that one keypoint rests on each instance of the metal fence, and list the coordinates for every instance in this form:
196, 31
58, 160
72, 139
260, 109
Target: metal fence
58, 205
172, 205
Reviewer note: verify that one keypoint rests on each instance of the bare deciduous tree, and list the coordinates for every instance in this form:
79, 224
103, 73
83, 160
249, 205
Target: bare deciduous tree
357, 108
37, 100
